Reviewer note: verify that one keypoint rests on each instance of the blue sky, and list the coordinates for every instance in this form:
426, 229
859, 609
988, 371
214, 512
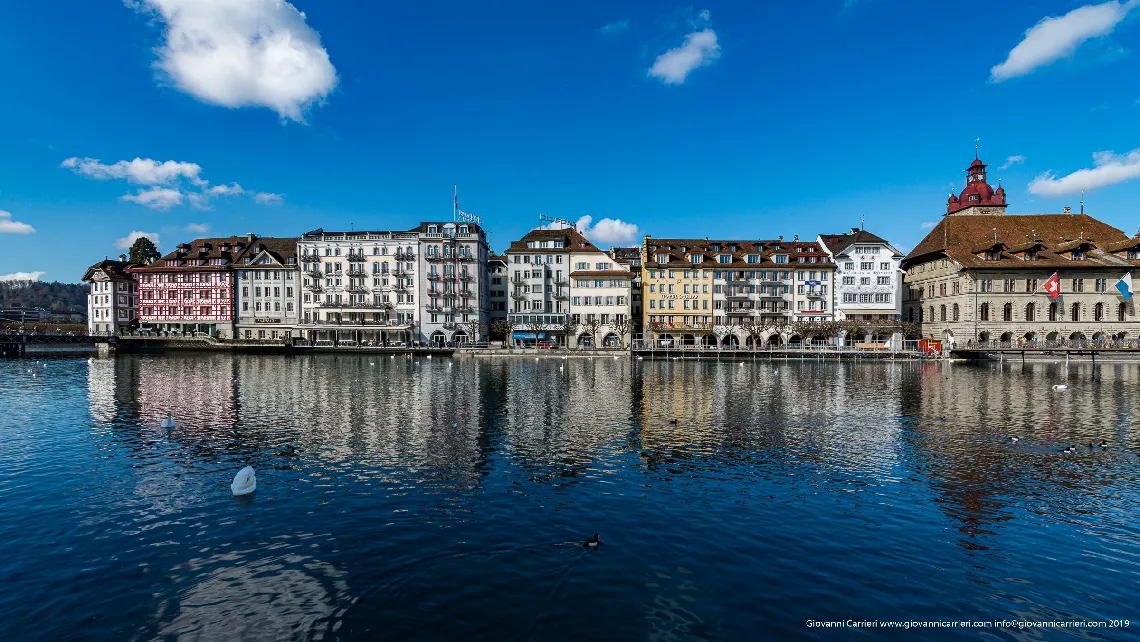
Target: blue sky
730, 119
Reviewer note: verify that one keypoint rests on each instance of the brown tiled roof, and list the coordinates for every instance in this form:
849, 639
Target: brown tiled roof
963, 238
681, 259
114, 269
280, 248
209, 248
838, 243
572, 241
607, 274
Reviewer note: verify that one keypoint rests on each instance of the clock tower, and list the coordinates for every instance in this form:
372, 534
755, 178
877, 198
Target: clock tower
978, 198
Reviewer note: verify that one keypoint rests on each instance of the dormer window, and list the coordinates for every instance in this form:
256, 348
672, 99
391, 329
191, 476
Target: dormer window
753, 258
1133, 255
975, 197
724, 258
992, 255
432, 229
662, 258
716, 247
462, 229
1031, 256
1078, 255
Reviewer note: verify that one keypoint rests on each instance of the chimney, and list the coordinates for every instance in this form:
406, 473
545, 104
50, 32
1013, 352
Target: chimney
1068, 210
249, 237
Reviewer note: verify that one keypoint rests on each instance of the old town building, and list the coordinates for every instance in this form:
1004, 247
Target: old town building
868, 282
497, 299
453, 282
190, 290
600, 306
359, 288
112, 304
267, 287
981, 275
539, 269
732, 292
631, 258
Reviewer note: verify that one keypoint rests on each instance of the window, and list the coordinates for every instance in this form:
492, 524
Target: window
1078, 286
941, 289
883, 297
1030, 312
986, 285
781, 258
1075, 312
955, 312
867, 265
984, 312
1054, 312
1101, 285
942, 313
886, 280
1122, 312
848, 280
884, 266
1007, 312
850, 265
864, 280
1007, 285
1098, 312
725, 258
1030, 285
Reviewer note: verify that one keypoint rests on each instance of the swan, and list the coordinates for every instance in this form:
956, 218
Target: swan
640, 358
245, 482
169, 422
429, 356
1013, 439
1060, 387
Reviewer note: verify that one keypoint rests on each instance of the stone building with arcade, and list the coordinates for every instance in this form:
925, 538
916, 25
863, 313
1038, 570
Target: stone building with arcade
980, 274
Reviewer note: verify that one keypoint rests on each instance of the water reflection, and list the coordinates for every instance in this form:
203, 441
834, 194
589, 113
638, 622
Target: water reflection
398, 492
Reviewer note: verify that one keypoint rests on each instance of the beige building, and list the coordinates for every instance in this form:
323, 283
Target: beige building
600, 305
980, 275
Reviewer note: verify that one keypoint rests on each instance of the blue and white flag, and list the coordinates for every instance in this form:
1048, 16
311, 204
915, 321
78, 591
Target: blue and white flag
1125, 285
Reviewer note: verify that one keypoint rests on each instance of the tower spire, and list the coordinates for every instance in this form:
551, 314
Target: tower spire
977, 142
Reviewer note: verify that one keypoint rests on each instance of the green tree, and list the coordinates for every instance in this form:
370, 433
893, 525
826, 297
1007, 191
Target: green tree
143, 251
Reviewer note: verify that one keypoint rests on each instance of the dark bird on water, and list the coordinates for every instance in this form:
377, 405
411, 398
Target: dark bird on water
592, 543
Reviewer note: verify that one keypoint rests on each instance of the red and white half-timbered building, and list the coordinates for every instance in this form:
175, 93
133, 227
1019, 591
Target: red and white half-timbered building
191, 289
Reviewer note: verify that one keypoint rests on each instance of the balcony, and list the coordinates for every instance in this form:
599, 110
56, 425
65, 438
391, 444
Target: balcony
739, 311
769, 294
451, 325
355, 288
518, 296
357, 271
466, 293
465, 277
314, 287
434, 257
815, 294
400, 287
517, 281
738, 277
356, 258
434, 277
434, 308
467, 258
738, 294
562, 296
405, 256
563, 281
314, 271
310, 258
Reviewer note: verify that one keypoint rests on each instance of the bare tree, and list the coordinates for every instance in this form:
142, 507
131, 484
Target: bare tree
502, 327
754, 331
720, 332
475, 329
621, 327
591, 325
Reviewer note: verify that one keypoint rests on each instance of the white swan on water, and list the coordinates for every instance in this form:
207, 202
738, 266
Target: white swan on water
1060, 387
245, 482
169, 422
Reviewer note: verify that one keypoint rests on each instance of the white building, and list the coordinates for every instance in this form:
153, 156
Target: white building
267, 289
497, 300
539, 268
600, 298
453, 282
358, 288
113, 304
868, 280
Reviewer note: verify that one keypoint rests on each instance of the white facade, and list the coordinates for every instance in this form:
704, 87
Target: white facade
600, 300
112, 304
453, 283
539, 269
868, 280
359, 288
267, 290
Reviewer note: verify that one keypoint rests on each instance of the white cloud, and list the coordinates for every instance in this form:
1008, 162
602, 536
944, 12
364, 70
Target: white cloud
928, 225
705, 15
607, 231
233, 189
699, 49
197, 228
143, 171
8, 226
22, 276
127, 241
1054, 38
172, 182
266, 198
242, 53
1109, 169
614, 28
156, 198
1011, 161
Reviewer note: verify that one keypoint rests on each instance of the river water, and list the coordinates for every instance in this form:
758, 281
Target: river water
428, 499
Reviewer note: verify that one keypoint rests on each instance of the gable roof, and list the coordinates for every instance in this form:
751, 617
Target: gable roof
962, 238
280, 248
113, 269
680, 252
839, 243
572, 241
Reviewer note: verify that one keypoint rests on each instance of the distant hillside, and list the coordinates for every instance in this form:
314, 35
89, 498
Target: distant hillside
50, 296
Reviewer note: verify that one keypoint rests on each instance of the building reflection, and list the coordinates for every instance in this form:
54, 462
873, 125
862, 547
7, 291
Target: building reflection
196, 389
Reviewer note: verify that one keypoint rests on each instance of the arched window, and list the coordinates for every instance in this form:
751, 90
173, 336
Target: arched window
1054, 312
955, 312
932, 313
1098, 312
921, 315
984, 312
910, 315
1029, 312
1122, 312
942, 313
1007, 312
1075, 312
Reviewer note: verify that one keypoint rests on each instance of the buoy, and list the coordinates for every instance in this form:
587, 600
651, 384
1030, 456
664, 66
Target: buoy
169, 422
245, 482
1060, 387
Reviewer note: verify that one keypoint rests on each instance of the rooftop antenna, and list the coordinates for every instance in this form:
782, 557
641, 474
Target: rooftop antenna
863, 223
995, 235
977, 142
1082, 201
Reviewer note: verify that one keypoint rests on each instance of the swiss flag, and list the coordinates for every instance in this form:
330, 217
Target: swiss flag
1053, 286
